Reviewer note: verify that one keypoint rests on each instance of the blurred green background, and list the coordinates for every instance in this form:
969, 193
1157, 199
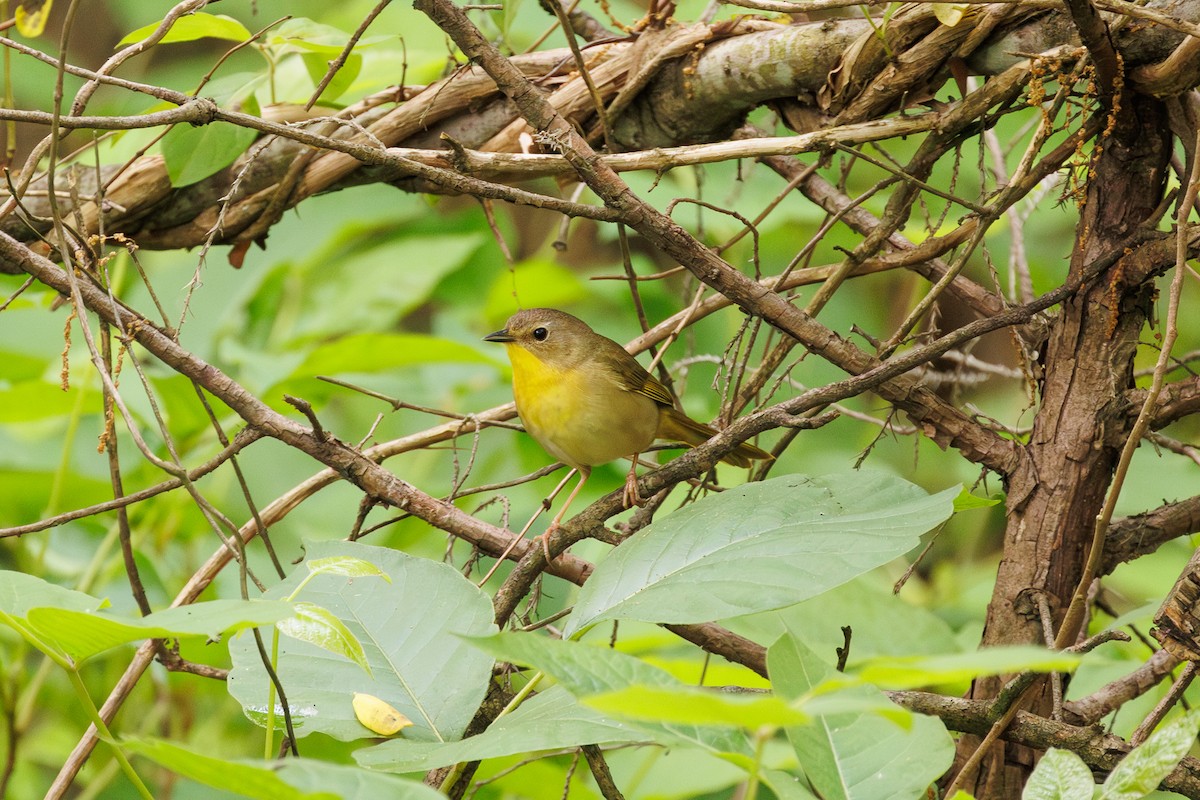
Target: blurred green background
393, 291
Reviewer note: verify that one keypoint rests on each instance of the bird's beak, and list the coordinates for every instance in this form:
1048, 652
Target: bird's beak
499, 336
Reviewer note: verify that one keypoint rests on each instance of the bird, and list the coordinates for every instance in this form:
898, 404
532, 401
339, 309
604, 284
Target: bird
587, 401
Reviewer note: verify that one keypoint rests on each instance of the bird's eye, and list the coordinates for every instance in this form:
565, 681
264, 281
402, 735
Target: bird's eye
540, 334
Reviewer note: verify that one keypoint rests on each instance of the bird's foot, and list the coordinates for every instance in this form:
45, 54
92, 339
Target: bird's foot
545, 540
631, 496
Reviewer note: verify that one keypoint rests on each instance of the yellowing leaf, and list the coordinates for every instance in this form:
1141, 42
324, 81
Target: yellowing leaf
32, 15
949, 14
378, 716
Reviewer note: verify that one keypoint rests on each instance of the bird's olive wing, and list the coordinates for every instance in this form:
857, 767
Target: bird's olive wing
634, 377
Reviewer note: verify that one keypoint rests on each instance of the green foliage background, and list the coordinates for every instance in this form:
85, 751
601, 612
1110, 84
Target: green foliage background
393, 291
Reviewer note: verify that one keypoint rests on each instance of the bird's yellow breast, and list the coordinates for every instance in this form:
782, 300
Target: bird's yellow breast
580, 414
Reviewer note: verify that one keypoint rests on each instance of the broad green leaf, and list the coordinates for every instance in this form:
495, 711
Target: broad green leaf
317, 64
835, 696
1140, 772
907, 672
192, 27
257, 780
352, 783
379, 278
342, 565
759, 547
235, 91
585, 669
1060, 775
695, 706
550, 720
290, 779
83, 634
508, 15
787, 786
1143, 613
319, 627
193, 152
383, 352
36, 400
21, 593
407, 628
856, 755
303, 33
967, 501
538, 283
873, 612
20, 367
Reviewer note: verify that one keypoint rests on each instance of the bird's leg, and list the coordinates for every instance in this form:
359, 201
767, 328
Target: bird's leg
584, 472
543, 507
630, 496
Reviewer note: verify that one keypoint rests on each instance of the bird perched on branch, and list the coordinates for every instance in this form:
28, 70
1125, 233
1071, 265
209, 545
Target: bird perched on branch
587, 401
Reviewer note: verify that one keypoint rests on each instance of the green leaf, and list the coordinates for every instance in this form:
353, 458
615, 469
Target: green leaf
585, 669
379, 278
21, 593
319, 627
303, 33
856, 755
351, 782
83, 634
193, 153
245, 779
508, 16
317, 64
407, 629
907, 672
538, 283
758, 547
290, 779
35, 400
837, 697
1060, 775
1140, 772
694, 706
346, 566
192, 27
967, 501
786, 785
383, 352
550, 720
871, 609
19, 367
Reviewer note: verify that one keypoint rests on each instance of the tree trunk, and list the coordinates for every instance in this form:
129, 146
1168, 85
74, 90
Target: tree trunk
1060, 487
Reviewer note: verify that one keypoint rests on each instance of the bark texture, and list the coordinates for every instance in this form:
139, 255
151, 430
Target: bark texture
1056, 493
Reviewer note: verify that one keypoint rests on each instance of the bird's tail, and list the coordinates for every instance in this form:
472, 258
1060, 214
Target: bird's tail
679, 427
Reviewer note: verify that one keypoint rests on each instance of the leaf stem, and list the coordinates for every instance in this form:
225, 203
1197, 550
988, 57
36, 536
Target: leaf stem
269, 746
456, 772
106, 734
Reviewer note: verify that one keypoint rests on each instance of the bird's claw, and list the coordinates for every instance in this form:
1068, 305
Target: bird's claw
545, 540
631, 496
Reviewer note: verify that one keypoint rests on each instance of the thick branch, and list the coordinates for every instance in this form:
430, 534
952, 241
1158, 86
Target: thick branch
1100, 751
1139, 534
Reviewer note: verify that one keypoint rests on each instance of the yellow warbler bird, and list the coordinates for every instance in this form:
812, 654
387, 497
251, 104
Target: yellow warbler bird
587, 401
